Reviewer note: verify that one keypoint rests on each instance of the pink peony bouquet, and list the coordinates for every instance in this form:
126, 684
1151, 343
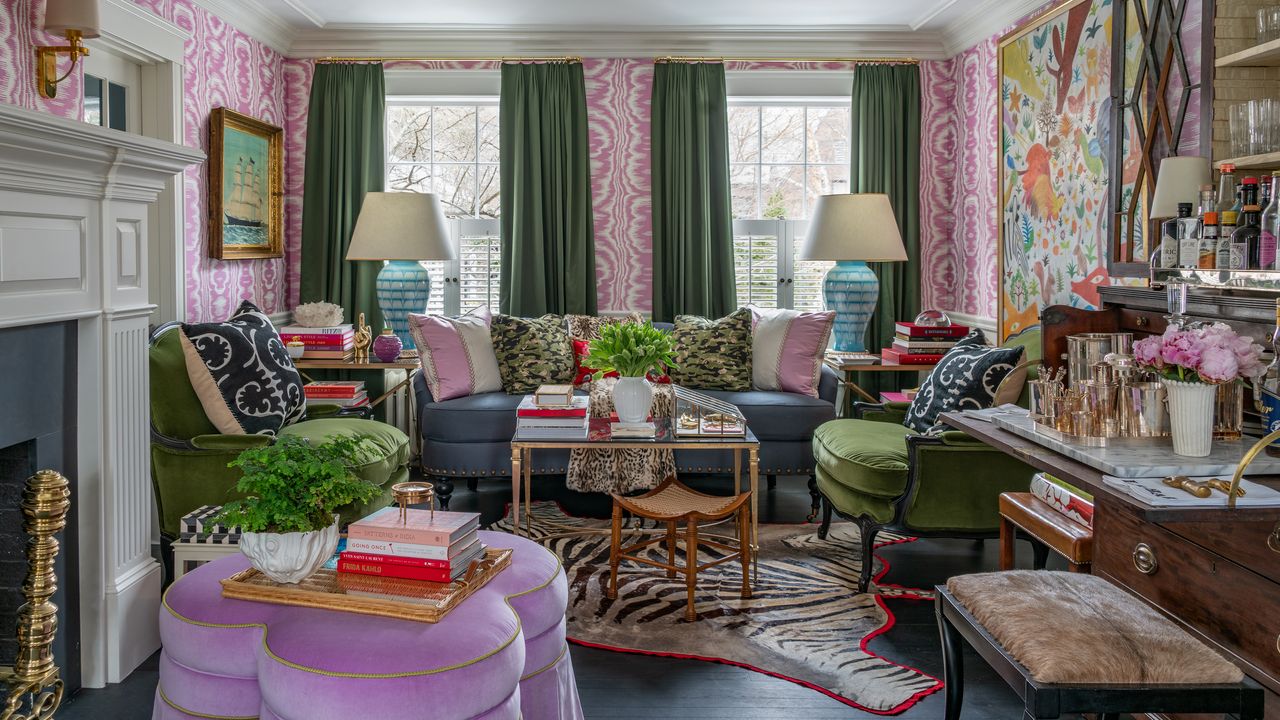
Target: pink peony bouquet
1210, 354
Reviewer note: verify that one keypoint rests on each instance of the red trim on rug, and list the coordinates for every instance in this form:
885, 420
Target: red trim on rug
890, 621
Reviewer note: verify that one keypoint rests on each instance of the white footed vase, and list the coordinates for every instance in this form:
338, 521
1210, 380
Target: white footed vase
632, 398
1191, 406
290, 557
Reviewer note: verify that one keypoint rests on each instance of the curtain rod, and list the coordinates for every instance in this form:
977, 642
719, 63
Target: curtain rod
504, 59
864, 60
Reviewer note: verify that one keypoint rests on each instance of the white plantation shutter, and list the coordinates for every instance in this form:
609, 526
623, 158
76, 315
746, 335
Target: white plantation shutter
479, 260
755, 260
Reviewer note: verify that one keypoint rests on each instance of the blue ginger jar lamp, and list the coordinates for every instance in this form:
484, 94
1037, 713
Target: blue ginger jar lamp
853, 229
402, 228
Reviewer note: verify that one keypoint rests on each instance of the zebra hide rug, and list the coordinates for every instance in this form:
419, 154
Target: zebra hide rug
804, 623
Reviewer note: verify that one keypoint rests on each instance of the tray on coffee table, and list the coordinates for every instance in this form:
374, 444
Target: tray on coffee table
331, 590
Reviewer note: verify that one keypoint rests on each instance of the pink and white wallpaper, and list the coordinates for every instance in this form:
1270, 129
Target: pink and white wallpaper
223, 68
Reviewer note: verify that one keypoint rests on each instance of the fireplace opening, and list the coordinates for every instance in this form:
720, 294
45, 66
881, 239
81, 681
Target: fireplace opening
38, 432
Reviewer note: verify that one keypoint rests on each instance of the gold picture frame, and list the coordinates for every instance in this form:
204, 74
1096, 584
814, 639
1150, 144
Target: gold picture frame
246, 187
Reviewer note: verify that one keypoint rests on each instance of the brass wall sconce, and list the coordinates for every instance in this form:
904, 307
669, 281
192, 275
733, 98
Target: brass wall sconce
77, 20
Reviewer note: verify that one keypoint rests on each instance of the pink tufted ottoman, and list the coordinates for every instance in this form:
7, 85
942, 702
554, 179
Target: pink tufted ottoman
501, 654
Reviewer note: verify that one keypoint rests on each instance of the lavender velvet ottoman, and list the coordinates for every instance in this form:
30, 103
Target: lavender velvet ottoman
500, 654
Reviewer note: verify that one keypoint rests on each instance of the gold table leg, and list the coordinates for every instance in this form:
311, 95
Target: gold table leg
753, 468
527, 461
516, 474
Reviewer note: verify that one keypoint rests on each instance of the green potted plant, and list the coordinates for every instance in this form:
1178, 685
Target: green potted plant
292, 488
632, 350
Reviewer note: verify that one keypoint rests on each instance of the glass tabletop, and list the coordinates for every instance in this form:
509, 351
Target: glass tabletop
601, 433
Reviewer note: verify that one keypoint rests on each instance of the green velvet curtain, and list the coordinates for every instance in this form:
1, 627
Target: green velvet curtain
692, 214
548, 234
885, 155
346, 158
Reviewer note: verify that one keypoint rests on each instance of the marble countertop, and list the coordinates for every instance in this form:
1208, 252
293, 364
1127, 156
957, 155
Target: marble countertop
1141, 458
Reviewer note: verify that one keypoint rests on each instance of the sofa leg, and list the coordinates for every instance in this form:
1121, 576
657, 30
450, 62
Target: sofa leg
825, 527
771, 482
868, 529
473, 484
815, 499
444, 490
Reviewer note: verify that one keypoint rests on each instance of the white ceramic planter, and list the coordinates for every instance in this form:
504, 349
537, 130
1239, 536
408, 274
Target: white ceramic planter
1191, 416
632, 398
290, 557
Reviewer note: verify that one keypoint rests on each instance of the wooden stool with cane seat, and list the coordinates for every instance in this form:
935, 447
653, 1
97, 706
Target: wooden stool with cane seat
673, 503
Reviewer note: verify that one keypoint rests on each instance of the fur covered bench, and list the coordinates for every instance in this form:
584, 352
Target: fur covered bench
1073, 643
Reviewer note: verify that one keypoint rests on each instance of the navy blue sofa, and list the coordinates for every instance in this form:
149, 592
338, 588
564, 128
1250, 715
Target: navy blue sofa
470, 437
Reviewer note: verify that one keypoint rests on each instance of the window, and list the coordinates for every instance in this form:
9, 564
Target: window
449, 147
783, 155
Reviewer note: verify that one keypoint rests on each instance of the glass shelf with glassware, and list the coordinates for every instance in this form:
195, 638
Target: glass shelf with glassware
1259, 280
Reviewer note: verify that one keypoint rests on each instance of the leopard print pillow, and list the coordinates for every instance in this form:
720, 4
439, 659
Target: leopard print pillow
713, 354
532, 352
587, 327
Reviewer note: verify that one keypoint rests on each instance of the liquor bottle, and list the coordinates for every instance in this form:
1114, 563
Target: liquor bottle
1271, 387
1270, 227
1246, 239
1190, 240
1227, 228
1171, 233
1208, 240
1227, 188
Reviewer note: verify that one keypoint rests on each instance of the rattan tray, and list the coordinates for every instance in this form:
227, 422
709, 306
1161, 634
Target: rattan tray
328, 590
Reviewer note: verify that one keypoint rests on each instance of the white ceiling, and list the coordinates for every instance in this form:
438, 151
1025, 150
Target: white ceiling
622, 14
926, 29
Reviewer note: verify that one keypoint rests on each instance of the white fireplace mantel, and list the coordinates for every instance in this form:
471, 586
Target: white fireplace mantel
74, 242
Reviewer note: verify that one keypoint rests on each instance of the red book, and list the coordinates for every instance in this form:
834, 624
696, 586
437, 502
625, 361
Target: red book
527, 408
924, 331
420, 527
333, 389
893, 357
404, 572
395, 560
322, 341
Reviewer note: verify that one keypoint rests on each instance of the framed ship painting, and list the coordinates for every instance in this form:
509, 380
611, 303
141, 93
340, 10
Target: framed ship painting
246, 179
1053, 162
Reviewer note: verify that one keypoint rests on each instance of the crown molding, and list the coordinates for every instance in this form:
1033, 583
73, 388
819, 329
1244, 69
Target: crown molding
461, 40
139, 34
984, 19
254, 20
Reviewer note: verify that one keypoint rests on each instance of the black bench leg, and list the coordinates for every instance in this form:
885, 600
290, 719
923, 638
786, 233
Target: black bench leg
444, 490
815, 499
952, 666
771, 482
825, 527
868, 529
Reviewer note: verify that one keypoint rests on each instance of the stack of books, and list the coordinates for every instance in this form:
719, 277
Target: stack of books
536, 421
322, 343
425, 546
347, 393
1067, 499
922, 344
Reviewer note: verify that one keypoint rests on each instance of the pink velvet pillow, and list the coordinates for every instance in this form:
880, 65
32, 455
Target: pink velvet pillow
456, 354
787, 348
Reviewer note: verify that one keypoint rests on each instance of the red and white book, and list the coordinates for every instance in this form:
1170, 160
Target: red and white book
322, 342
1064, 498
449, 571
892, 357
927, 331
357, 401
419, 527
922, 348
306, 332
410, 550
333, 388
528, 409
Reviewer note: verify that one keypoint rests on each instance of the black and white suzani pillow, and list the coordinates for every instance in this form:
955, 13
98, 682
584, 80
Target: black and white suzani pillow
966, 378
242, 373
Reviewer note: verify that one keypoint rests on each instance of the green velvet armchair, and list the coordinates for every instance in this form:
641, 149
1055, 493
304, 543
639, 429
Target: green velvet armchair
884, 476
189, 456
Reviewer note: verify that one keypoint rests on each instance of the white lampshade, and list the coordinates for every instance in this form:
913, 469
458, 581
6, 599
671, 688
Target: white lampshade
63, 15
1179, 181
400, 226
854, 227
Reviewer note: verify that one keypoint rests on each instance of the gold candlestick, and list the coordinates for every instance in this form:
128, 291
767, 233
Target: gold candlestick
35, 688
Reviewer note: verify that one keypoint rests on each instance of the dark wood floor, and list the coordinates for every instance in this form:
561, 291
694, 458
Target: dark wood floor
617, 686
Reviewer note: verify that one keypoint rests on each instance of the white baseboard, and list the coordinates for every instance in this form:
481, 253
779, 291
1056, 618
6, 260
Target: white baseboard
132, 617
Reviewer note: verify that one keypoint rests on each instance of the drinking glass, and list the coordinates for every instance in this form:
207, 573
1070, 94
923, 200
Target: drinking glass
1239, 125
1268, 23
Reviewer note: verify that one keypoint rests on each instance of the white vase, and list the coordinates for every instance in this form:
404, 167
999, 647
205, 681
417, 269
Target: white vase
1191, 416
290, 557
632, 398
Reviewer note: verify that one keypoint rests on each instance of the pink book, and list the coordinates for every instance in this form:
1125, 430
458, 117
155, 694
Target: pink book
420, 527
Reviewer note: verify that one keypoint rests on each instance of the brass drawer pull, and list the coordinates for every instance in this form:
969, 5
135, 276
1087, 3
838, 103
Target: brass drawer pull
1142, 321
1144, 559
1273, 542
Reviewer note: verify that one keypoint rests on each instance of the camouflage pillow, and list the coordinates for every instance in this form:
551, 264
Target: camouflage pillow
713, 354
532, 352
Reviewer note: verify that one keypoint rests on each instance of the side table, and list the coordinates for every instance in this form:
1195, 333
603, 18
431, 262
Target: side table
405, 406
849, 388
197, 554
501, 654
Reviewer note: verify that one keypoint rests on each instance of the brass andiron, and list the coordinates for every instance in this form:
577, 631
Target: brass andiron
35, 688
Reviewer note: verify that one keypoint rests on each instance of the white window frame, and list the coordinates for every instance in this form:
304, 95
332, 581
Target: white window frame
447, 275
790, 232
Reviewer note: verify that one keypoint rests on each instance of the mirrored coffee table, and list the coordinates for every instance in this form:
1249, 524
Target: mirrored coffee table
600, 438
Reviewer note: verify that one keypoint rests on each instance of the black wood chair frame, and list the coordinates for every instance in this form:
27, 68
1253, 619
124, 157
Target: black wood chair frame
1045, 701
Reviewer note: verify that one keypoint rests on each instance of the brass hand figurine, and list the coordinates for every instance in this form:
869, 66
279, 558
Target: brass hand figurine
1182, 482
1224, 486
364, 337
